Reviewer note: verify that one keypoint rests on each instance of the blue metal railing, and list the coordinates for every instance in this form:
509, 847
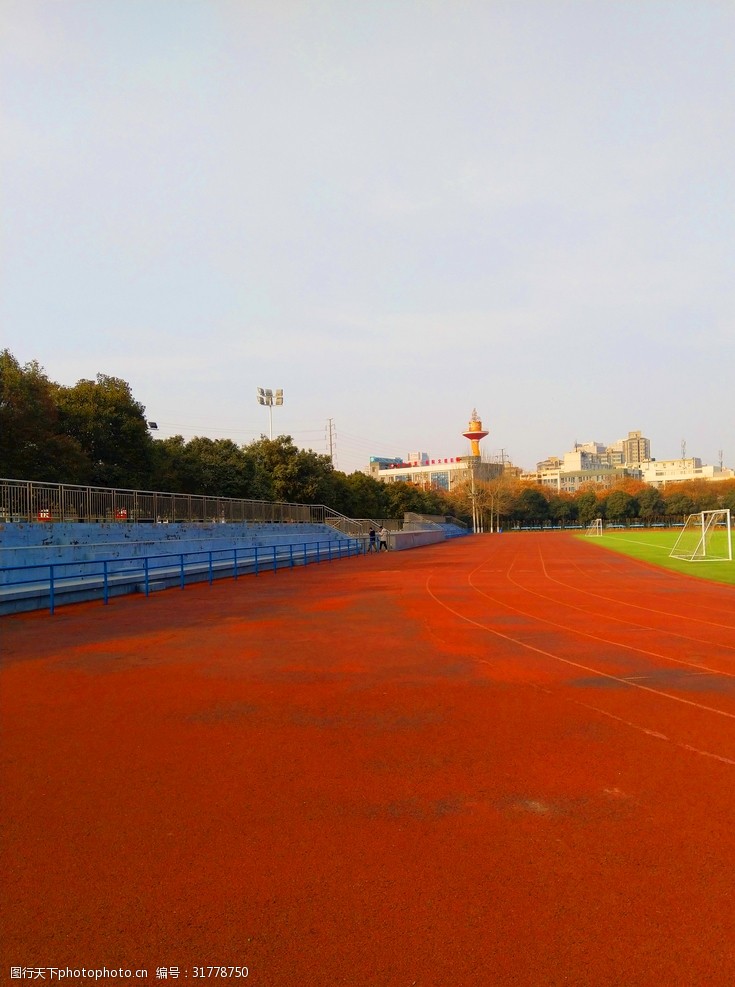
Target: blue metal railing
99, 577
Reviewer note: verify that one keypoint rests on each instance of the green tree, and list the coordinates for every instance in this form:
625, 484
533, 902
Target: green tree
678, 504
587, 506
110, 426
406, 497
218, 467
562, 508
359, 495
169, 469
727, 497
283, 472
621, 506
32, 444
650, 504
530, 507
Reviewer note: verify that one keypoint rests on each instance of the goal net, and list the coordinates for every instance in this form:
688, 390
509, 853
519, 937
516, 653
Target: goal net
594, 529
706, 537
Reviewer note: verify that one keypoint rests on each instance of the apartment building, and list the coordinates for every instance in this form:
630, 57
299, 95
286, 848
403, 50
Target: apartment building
659, 472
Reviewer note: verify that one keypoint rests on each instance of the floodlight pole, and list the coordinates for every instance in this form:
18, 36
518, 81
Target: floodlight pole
268, 398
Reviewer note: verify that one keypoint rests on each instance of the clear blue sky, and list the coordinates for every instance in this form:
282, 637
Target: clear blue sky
396, 211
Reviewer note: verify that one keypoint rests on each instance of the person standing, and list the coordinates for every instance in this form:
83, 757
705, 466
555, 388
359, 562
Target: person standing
383, 539
371, 541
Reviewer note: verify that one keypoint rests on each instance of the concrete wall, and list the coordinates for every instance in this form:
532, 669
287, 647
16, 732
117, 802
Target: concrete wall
399, 541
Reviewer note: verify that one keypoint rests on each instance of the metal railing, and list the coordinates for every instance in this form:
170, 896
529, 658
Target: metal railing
434, 520
68, 582
360, 527
29, 500
33, 501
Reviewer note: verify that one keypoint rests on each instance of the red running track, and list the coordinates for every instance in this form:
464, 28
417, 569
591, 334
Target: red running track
507, 760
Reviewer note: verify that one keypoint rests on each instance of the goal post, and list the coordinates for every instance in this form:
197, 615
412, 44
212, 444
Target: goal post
594, 528
705, 537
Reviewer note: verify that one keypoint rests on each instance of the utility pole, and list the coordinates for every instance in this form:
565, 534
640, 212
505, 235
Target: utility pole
330, 427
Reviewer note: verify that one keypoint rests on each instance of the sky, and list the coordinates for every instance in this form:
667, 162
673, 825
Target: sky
397, 211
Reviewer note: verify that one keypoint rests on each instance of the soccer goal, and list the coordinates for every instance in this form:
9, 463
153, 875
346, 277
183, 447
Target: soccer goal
706, 537
594, 529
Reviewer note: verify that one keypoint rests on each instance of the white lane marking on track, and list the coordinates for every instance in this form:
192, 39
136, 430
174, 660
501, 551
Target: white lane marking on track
620, 620
633, 726
576, 664
566, 661
636, 606
696, 750
702, 669
656, 734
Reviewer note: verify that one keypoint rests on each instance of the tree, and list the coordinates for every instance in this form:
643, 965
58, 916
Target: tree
530, 507
587, 507
650, 504
169, 471
678, 504
562, 508
358, 495
110, 426
406, 497
217, 467
282, 472
32, 444
727, 495
621, 506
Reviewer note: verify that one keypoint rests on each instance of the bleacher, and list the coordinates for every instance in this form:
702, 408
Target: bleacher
61, 543
45, 565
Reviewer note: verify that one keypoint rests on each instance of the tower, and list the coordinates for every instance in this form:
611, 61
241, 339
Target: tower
474, 433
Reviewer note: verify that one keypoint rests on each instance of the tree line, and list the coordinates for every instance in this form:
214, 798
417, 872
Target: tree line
95, 433
628, 502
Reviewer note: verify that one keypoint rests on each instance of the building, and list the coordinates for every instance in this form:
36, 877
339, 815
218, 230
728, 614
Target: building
571, 480
636, 449
593, 462
659, 472
433, 474
440, 474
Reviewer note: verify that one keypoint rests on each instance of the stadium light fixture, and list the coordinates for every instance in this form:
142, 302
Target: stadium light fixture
269, 398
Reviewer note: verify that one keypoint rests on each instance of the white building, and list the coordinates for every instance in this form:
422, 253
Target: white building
567, 480
659, 472
593, 462
433, 474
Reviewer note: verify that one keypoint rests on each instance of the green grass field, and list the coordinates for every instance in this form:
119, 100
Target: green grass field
654, 547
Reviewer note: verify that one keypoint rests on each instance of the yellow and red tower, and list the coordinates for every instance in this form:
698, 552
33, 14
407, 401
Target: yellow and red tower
474, 433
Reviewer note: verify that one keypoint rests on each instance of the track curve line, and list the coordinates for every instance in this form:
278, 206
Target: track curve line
608, 616
592, 637
638, 606
575, 664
